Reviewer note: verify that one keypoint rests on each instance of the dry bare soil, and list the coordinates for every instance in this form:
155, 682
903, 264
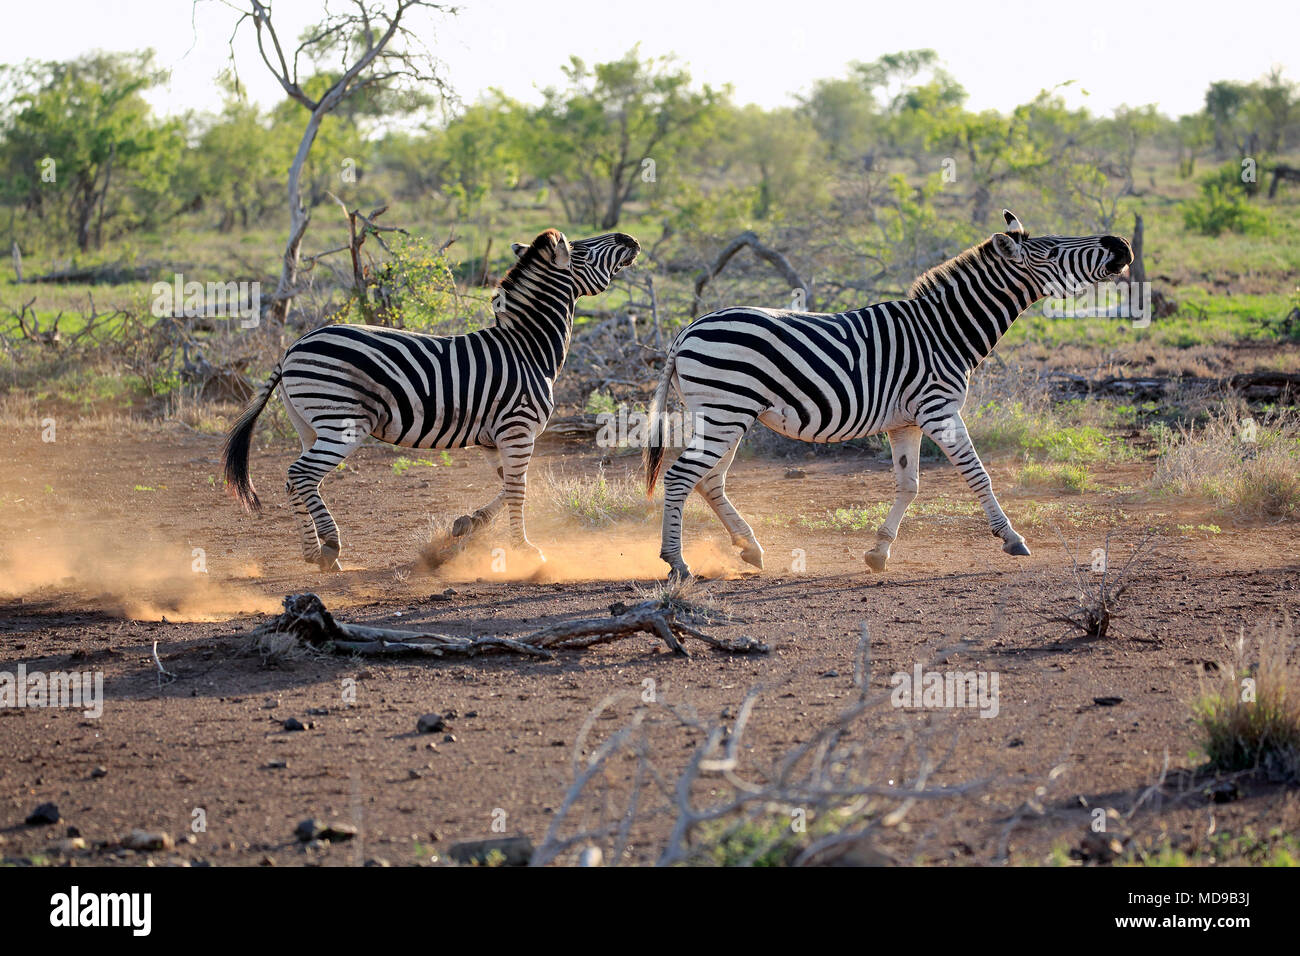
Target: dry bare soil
97, 551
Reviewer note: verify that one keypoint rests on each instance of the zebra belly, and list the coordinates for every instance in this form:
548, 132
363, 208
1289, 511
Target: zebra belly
788, 422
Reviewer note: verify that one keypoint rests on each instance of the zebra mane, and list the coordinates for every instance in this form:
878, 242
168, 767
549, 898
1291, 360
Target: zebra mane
536, 253
936, 278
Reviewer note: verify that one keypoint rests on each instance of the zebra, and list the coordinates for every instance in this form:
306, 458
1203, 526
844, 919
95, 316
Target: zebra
901, 367
492, 387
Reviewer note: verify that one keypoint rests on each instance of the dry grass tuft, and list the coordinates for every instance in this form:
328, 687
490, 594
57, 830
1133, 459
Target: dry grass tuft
1243, 463
276, 647
1250, 716
1067, 479
690, 598
600, 500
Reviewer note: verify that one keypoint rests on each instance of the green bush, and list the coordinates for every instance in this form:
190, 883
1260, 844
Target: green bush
1224, 206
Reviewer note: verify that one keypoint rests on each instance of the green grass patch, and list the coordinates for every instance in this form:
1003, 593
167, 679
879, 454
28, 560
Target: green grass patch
1070, 479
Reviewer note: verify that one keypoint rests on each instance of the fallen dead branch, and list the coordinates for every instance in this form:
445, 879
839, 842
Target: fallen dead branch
1253, 386
306, 618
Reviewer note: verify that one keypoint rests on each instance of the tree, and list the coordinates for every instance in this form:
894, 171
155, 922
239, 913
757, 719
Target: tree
1223, 103
843, 113
1036, 138
380, 56
1272, 108
236, 167
81, 132
780, 150
616, 125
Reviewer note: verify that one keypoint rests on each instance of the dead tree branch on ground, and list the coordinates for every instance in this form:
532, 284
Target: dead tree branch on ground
306, 618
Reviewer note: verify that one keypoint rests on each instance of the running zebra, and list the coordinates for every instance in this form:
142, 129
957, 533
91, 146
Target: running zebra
343, 383
898, 367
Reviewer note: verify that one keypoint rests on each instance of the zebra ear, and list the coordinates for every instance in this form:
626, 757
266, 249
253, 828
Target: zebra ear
518, 248
561, 252
1007, 245
1013, 224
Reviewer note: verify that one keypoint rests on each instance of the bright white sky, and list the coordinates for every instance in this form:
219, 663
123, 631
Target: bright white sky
768, 50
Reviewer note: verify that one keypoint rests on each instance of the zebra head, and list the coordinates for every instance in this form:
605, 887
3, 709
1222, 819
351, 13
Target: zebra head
591, 263
1061, 264
597, 260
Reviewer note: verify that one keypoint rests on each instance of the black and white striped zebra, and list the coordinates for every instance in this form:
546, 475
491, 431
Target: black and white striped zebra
899, 367
493, 387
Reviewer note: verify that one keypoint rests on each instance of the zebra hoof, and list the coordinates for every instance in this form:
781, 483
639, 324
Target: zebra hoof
464, 524
753, 556
679, 576
329, 556
1018, 548
876, 561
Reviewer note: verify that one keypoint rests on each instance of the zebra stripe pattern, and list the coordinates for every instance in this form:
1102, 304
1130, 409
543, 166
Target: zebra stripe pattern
900, 367
344, 383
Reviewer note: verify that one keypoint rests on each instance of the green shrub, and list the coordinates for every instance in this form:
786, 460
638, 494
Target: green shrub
1224, 206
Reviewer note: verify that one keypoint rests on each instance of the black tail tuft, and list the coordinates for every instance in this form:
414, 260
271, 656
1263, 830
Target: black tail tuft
238, 441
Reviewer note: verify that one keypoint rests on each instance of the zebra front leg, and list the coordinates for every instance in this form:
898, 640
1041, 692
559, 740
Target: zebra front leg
516, 450
950, 434
713, 488
905, 444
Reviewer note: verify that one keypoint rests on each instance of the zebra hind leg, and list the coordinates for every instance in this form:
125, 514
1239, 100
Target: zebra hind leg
307, 435
711, 442
713, 488
477, 520
305, 477
310, 540
905, 444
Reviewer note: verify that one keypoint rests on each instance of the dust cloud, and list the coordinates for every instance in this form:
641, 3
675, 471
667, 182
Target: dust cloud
135, 578
572, 556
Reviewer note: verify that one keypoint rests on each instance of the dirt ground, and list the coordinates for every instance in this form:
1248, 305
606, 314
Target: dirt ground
98, 561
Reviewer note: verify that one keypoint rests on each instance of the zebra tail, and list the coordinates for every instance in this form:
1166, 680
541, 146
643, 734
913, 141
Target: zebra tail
235, 452
653, 456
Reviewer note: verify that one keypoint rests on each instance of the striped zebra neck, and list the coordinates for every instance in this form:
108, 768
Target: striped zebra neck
535, 310
977, 295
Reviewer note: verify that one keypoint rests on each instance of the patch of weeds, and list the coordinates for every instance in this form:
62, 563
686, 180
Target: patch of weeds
1275, 848
600, 403
1243, 463
403, 464
1250, 715
1070, 479
847, 519
1206, 530
868, 518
